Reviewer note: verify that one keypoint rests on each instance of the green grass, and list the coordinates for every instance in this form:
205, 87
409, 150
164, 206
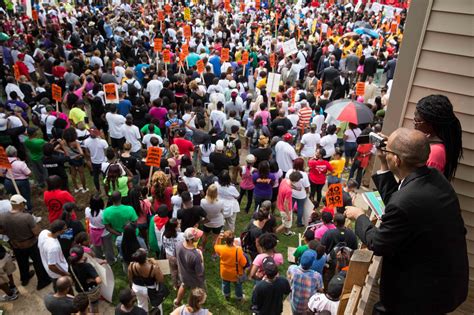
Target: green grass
216, 302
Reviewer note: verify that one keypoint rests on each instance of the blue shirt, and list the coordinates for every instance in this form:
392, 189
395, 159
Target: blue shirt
123, 107
138, 70
215, 61
192, 59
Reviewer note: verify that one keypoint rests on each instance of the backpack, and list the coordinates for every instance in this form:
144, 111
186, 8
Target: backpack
131, 87
340, 256
245, 240
230, 149
256, 135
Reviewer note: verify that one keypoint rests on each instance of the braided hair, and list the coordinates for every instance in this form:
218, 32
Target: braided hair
437, 111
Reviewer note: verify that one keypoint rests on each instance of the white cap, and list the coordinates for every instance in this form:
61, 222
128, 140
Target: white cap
219, 145
17, 199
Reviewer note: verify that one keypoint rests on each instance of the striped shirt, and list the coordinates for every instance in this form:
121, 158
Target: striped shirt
304, 115
304, 283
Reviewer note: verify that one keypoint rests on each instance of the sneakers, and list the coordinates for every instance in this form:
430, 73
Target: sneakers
81, 190
290, 233
37, 219
6, 298
76, 190
84, 190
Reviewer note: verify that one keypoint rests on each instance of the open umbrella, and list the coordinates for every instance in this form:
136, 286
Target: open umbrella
4, 37
350, 111
367, 31
362, 24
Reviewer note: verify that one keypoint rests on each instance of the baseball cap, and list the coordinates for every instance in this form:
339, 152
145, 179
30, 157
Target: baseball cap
219, 145
335, 285
3, 124
250, 158
17, 199
269, 266
287, 137
306, 260
192, 234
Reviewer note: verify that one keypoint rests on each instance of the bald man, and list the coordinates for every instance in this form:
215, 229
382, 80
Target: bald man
421, 238
61, 302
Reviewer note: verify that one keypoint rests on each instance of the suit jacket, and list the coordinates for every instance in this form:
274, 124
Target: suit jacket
390, 68
370, 66
423, 243
339, 90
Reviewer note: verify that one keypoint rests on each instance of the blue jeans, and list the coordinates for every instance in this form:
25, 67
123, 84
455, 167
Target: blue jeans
300, 206
226, 289
23, 187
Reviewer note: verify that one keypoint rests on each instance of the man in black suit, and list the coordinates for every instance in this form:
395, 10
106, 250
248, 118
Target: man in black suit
370, 66
421, 238
390, 67
340, 87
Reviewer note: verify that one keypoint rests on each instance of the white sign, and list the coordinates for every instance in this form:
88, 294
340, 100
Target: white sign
289, 47
106, 275
273, 82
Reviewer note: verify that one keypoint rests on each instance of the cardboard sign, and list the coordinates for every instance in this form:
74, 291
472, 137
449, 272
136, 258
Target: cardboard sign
56, 92
158, 44
225, 54
34, 15
200, 66
153, 156
245, 57
185, 49
16, 72
393, 27
161, 15
289, 47
166, 56
111, 93
242, 7
319, 87
187, 31
4, 162
187, 14
360, 88
167, 8
272, 60
334, 195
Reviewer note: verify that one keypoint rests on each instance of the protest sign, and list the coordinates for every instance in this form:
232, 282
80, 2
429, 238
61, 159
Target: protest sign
158, 44
273, 82
16, 71
34, 15
111, 93
393, 27
319, 87
4, 162
161, 15
185, 49
166, 56
187, 14
153, 157
242, 7
106, 275
257, 4
272, 60
245, 57
225, 54
334, 195
289, 47
56, 92
167, 8
227, 5
200, 66
360, 88
187, 31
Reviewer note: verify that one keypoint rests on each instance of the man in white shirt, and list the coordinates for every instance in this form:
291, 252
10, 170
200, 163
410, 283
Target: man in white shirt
309, 142
154, 88
285, 153
119, 70
132, 135
147, 139
115, 122
96, 146
11, 86
218, 117
48, 120
51, 254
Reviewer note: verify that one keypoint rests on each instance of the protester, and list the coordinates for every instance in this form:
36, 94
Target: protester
127, 304
7, 284
61, 302
194, 306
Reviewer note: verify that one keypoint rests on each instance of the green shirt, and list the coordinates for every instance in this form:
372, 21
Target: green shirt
35, 148
121, 187
299, 252
342, 128
145, 130
119, 216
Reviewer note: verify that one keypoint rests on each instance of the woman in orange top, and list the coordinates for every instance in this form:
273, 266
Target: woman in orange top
232, 264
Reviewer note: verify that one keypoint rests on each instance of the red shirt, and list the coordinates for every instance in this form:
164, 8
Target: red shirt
184, 146
166, 200
318, 170
55, 200
284, 195
364, 151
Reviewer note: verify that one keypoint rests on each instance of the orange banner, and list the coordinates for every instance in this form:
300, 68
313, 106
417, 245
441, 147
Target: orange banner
167, 8
393, 27
257, 4
56, 92
334, 196
34, 15
242, 7
272, 60
153, 157
111, 95
161, 15
227, 5
185, 49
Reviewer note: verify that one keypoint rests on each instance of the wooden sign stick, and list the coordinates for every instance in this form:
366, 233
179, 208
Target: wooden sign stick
13, 181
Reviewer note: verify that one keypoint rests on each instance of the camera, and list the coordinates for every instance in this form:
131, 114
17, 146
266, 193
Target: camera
372, 138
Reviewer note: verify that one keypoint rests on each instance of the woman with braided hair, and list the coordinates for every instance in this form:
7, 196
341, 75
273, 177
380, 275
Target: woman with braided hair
435, 117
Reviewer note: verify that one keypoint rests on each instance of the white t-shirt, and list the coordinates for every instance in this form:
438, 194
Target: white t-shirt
310, 141
51, 253
300, 192
218, 117
115, 122
48, 121
319, 302
194, 185
206, 153
95, 222
285, 154
319, 121
14, 122
133, 136
154, 88
352, 134
170, 244
328, 142
147, 139
96, 147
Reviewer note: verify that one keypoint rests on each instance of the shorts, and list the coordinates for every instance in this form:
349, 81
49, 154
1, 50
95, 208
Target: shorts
7, 267
215, 231
284, 220
117, 143
76, 162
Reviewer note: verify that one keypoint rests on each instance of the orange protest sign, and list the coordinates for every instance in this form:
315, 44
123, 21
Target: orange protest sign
153, 156
334, 195
245, 57
319, 87
225, 54
200, 66
360, 88
329, 32
242, 7
34, 15
16, 72
257, 4
398, 18
185, 49
167, 8
272, 60
187, 31
56, 92
182, 57
227, 5
4, 162
393, 27
158, 44
166, 56
161, 15
111, 93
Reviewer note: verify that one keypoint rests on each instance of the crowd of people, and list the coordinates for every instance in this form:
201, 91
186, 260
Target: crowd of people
194, 81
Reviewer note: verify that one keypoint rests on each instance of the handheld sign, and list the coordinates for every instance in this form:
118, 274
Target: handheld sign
153, 157
34, 15
393, 27
242, 7
4, 162
334, 195
56, 92
225, 54
161, 15
111, 93
227, 5
167, 8
319, 87
200, 66
360, 88
166, 56
272, 60
257, 4
185, 49
245, 57
289, 47
187, 14
16, 72
187, 31
182, 57
158, 45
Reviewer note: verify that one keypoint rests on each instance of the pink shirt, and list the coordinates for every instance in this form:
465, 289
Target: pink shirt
323, 229
258, 261
265, 114
284, 195
437, 158
19, 169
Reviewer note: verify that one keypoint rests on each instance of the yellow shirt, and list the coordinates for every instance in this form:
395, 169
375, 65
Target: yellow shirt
76, 115
338, 166
262, 83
